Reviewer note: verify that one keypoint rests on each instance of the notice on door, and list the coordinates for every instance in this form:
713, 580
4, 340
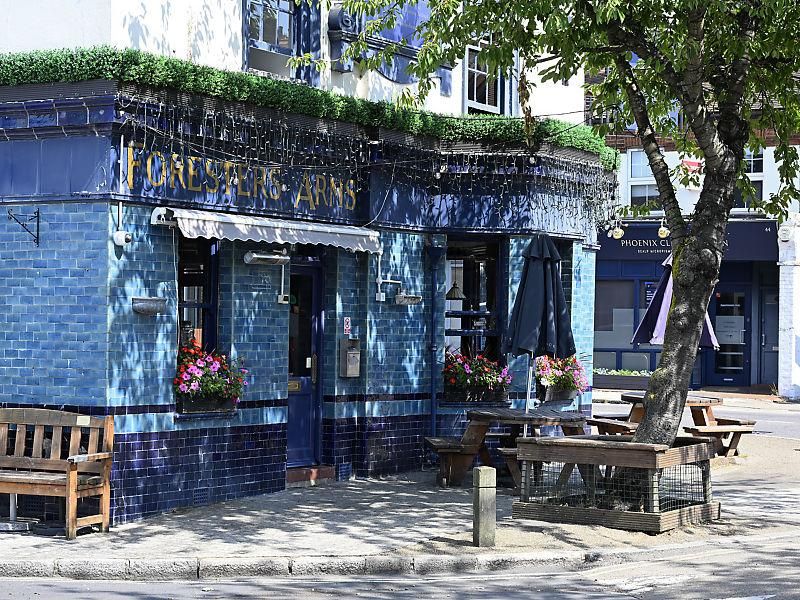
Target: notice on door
729, 329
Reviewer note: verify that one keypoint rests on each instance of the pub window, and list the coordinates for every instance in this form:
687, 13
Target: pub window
472, 324
197, 285
271, 24
272, 27
483, 85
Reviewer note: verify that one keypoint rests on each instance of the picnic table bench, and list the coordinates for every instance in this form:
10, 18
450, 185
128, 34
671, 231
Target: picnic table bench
705, 423
456, 455
60, 454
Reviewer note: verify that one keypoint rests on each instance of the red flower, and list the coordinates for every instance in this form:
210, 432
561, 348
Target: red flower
175, 381
452, 380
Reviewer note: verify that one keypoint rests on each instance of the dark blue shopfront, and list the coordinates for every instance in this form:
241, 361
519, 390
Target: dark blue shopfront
743, 307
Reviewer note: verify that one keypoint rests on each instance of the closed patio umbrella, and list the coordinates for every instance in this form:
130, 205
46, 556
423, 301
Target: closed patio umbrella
540, 322
654, 323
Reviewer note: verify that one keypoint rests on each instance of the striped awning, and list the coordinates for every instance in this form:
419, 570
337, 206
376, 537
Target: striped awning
223, 226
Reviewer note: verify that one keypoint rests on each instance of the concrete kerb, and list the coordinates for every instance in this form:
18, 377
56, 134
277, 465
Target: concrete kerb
211, 568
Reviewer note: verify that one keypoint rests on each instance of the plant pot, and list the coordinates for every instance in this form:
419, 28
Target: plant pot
205, 405
559, 395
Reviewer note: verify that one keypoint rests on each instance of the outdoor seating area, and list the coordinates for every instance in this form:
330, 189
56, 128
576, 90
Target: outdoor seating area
60, 454
725, 433
456, 455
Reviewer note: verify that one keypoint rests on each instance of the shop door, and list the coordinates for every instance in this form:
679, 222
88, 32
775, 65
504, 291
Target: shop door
768, 371
304, 418
730, 313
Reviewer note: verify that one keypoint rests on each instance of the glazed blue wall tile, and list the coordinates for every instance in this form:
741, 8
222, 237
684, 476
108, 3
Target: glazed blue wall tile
53, 306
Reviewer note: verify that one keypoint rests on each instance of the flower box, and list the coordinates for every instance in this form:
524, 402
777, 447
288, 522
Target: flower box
486, 397
620, 382
205, 382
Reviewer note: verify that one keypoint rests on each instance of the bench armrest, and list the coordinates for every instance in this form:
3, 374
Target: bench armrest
79, 458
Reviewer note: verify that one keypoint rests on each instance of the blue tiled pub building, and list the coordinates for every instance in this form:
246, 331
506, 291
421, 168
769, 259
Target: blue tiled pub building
319, 252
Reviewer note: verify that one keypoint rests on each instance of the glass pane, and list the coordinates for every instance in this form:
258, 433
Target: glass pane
613, 314
605, 360
270, 25
255, 21
284, 38
300, 325
639, 165
492, 95
730, 329
192, 320
471, 86
472, 59
480, 88
193, 271
635, 361
642, 194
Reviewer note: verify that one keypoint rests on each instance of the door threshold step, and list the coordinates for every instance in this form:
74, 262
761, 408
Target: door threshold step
310, 476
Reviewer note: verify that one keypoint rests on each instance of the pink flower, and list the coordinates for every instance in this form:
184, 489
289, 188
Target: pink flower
214, 367
194, 386
186, 377
200, 362
244, 382
183, 387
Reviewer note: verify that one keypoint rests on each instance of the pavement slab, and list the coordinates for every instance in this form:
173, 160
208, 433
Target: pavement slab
395, 525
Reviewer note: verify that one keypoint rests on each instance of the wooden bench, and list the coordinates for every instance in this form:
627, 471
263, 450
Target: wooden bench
510, 457
720, 430
60, 454
609, 426
457, 454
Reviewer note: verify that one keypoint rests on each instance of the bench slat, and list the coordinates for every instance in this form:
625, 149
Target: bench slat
74, 440
3, 439
55, 443
720, 429
19, 440
93, 436
27, 463
38, 441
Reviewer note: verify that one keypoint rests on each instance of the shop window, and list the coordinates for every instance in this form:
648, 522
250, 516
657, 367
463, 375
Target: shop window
483, 86
613, 314
643, 194
472, 324
197, 285
640, 167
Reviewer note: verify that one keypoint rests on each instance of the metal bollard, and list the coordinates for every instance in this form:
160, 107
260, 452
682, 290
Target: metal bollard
484, 506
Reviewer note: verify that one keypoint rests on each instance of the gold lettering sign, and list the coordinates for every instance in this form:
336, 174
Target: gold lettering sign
258, 187
294, 385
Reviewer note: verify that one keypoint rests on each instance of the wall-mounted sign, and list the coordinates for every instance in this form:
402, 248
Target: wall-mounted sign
748, 239
210, 181
347, 326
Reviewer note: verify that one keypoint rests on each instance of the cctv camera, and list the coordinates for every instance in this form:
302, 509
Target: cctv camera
122, 238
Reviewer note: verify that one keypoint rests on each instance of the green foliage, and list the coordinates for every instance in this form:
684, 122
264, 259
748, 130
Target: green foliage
133, 66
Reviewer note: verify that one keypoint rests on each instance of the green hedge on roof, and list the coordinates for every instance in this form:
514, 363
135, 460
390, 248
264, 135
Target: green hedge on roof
134, 66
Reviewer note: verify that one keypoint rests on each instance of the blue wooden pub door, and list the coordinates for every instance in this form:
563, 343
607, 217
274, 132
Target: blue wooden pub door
305, 328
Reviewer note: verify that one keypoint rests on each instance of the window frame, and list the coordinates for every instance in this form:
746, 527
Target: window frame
647, 197
646, 165
210, 303
260, 43
498, 81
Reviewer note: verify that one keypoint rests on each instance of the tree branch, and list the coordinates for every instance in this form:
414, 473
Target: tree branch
647, 135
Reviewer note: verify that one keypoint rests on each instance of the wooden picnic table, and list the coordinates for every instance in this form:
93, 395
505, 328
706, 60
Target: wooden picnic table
726, 433
456, 455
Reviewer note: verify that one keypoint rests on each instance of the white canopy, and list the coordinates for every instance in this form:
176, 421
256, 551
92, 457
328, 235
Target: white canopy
223, 226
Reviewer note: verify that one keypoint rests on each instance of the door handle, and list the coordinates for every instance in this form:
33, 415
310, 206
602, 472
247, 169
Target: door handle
314, 368
763, 339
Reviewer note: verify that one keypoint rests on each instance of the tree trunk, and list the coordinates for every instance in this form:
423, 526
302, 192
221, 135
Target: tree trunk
695, 269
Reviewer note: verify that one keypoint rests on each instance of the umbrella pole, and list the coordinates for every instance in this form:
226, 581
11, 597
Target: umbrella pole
528, 394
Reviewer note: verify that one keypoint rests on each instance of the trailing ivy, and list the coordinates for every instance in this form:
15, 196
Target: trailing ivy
134, 66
